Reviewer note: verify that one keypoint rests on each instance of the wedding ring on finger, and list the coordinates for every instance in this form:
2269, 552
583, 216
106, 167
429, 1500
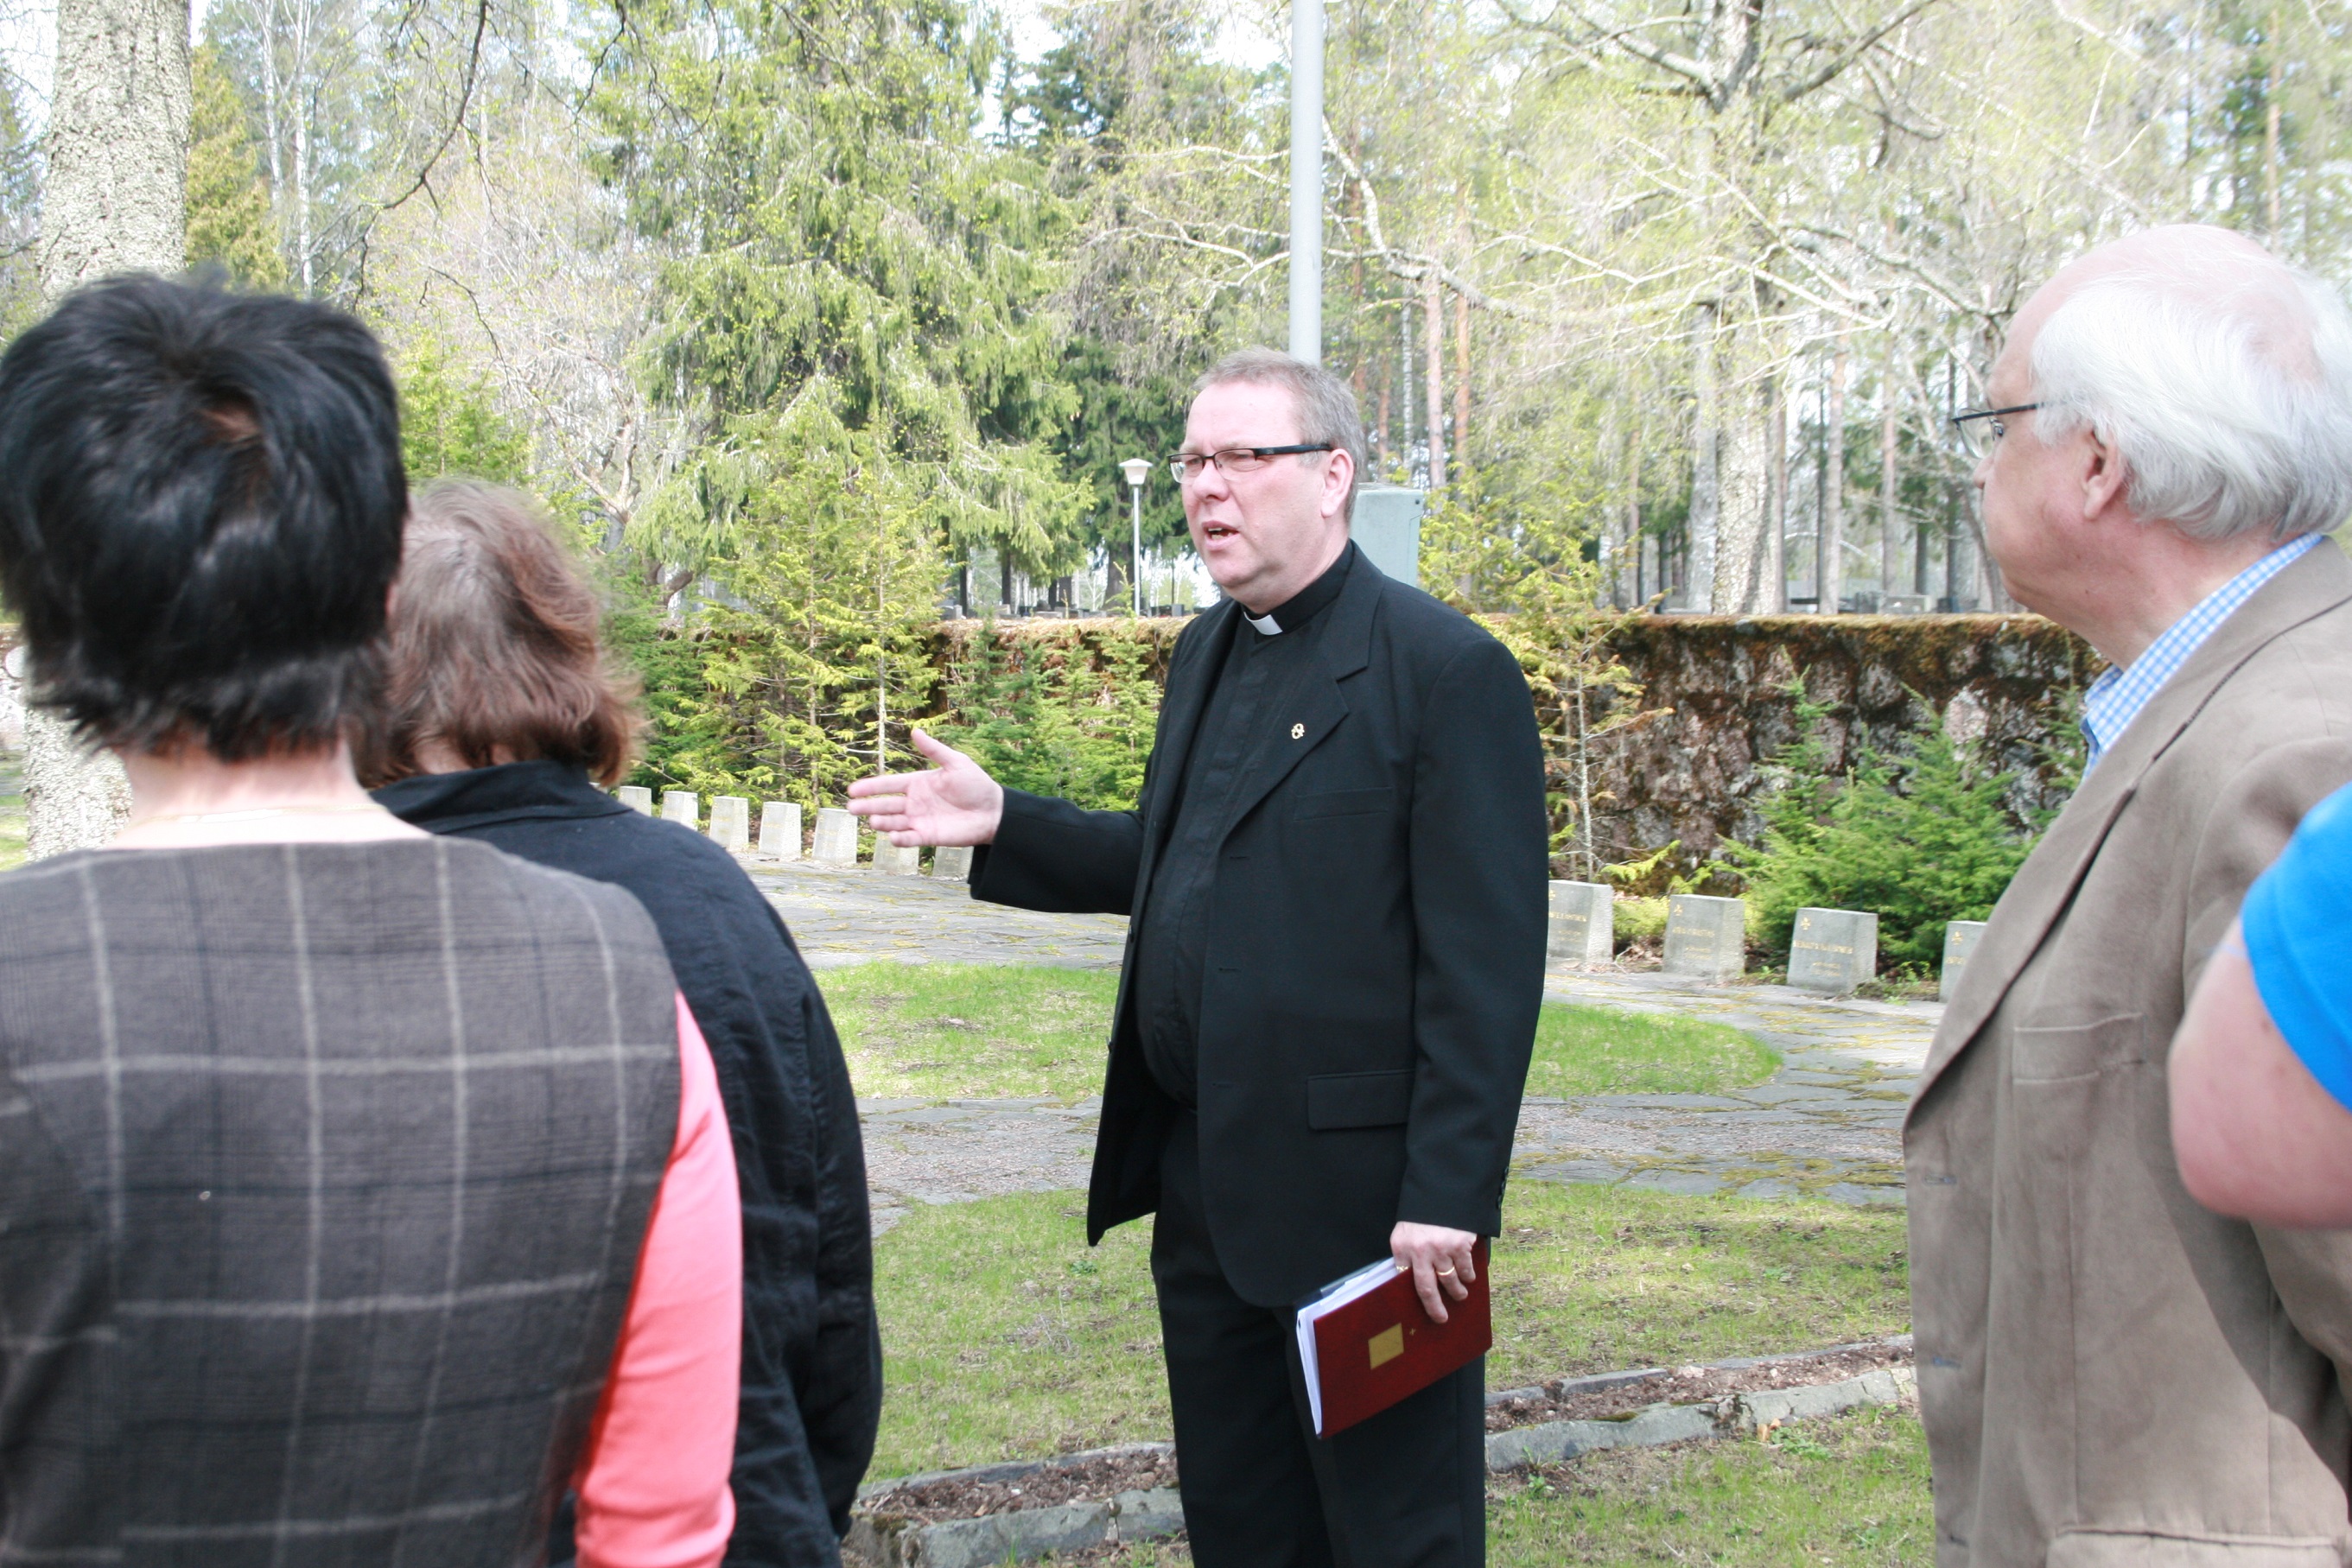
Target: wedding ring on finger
1446, 1273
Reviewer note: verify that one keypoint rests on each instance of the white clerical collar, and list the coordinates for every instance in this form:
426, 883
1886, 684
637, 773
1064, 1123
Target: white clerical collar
1264, 625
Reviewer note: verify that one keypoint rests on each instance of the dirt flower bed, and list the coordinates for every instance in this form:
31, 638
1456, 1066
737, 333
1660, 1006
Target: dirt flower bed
1090, 1480
1620, 1394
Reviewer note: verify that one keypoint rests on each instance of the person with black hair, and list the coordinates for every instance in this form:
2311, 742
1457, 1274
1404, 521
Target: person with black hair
359, 1189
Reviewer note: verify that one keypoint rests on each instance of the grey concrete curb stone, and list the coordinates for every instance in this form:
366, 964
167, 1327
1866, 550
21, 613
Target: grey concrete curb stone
887, 1541
1733, 1415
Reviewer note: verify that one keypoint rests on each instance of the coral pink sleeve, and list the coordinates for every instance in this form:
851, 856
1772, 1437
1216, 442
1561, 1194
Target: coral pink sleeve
653, 1483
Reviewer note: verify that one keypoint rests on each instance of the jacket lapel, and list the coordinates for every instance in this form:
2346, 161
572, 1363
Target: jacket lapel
1310, 704
2312, 586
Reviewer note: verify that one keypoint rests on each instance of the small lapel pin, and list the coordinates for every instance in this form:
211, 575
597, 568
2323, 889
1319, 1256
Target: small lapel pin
1297, 732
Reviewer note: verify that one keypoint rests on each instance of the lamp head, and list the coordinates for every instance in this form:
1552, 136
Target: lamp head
1135, 469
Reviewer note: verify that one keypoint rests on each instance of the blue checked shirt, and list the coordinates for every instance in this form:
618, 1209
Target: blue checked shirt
2116, 699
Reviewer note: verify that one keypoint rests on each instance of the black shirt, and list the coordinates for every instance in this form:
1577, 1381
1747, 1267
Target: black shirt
1257, 661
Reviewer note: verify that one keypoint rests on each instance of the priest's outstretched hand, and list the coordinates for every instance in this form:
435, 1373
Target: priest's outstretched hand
953, 803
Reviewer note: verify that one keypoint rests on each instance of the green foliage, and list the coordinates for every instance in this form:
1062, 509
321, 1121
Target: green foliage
230, 223
844, 242
1919, 841
820, 574
1530, 566
448, 425
1076, 722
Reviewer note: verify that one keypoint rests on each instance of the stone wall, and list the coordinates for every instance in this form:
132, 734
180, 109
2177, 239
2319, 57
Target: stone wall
1717, 700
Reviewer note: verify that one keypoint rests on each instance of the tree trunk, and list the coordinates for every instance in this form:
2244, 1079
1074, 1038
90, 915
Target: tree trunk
1890, 554
1739, 544
1707, 476
1461, 380
1830, 574
113, 200
1433, 304
1404, 387
1634, 516
1775, 597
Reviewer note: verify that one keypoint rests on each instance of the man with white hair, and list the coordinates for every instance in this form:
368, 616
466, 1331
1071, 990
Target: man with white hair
2109, 1373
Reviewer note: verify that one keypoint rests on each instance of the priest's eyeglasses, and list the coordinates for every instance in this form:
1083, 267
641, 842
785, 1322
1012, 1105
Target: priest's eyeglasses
1187, 465
1982, 429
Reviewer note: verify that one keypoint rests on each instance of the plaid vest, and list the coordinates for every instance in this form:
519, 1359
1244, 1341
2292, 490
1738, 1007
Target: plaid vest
323, 1174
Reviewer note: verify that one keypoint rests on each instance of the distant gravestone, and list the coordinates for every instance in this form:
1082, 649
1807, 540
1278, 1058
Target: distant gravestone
1832, 950
1960, 946
952, 863
892, 860
731, 823
1583, 924
779, 830
836, 837
1706, 938
682, 806
637, 798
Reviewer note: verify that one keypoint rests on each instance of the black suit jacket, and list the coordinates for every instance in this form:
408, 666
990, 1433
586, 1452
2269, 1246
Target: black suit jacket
1376, 948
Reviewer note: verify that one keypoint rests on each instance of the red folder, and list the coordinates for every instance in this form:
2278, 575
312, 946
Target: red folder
1366, 1342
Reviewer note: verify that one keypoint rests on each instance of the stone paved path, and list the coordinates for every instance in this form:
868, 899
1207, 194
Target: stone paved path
1827, 1124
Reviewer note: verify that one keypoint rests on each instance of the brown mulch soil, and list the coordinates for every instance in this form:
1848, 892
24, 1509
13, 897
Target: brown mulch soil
1090, 1480
1688, 1385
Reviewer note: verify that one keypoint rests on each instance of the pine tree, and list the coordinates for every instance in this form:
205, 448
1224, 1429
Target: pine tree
230, 224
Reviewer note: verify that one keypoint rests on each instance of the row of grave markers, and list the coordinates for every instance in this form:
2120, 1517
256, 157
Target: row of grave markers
836, 841
1831, 950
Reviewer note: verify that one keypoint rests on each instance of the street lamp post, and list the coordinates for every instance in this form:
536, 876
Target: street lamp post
1135, 469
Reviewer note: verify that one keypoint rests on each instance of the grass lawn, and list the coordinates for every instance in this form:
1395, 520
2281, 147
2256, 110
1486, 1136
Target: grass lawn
1042, 1346
1850, 1492
12, 812
983, 1030
1600, 1050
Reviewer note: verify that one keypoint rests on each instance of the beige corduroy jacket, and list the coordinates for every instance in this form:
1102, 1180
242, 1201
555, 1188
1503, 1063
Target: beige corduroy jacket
2110, 1375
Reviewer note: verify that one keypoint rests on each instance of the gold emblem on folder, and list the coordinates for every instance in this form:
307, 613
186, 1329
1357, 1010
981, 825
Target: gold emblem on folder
1386, 1344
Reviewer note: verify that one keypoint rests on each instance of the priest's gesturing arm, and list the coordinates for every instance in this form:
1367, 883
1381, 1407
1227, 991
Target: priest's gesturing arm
1061, 858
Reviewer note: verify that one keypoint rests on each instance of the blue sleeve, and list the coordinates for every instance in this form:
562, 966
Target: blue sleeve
2298, 926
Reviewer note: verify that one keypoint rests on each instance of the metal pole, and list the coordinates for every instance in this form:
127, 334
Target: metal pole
1135, 576
1306, 180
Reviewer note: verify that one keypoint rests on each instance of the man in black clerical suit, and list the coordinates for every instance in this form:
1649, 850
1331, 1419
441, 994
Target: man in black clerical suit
1336, 879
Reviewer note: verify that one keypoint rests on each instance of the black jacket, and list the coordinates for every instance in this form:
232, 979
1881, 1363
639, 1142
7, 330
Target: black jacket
812, 1355
1376, 948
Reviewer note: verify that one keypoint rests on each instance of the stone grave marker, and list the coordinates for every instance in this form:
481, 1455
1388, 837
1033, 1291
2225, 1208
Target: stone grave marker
637, 798
1832, 950
1706, 938
779, 830
892, 860
1960, 946
682, 806
1583, 924
731, 823
952, 863
836, 837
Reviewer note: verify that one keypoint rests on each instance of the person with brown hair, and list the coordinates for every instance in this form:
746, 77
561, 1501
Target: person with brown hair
500, 718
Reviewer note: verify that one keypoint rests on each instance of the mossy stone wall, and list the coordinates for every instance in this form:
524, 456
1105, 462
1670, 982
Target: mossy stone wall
1718, 696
